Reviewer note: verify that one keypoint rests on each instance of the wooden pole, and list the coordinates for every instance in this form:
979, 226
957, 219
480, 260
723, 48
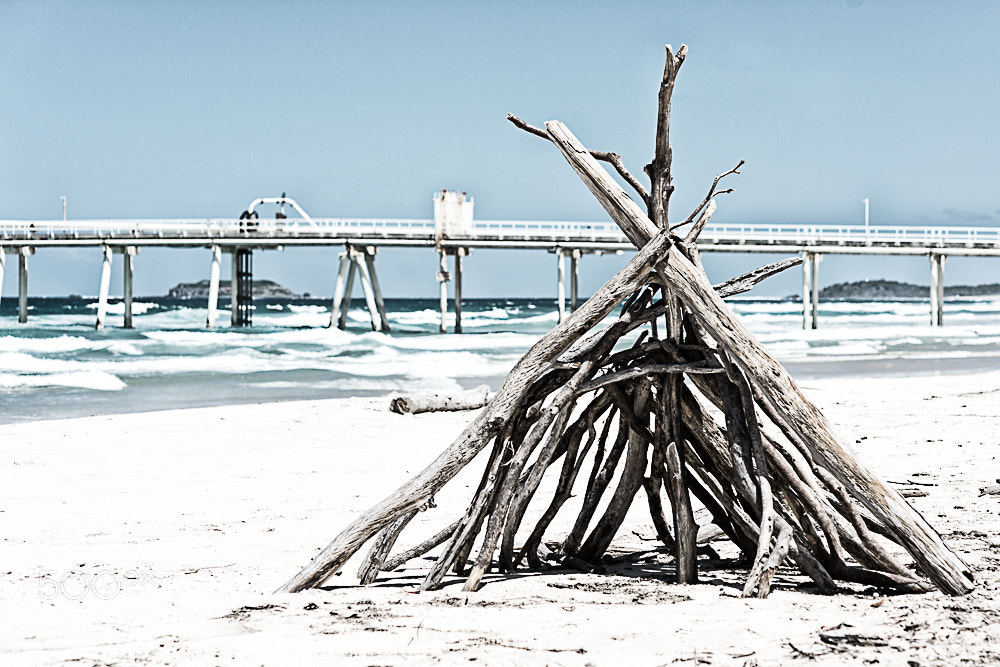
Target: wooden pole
379, 302
459, 253
338, 288
213, 287
128, 265
22, 283
102, 298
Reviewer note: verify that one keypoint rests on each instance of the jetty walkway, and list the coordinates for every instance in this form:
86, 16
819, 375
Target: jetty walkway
452, 233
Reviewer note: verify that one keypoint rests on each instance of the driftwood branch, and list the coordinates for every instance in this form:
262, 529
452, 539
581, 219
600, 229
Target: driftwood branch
470, 399
747, 281
658, 170
712, 192
613, 159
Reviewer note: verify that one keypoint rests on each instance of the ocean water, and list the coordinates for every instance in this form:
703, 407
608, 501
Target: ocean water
57, 365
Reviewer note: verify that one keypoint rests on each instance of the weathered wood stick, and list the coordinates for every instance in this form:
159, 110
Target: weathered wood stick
628, 485
657, 473
470, 399
647, 371
613, 159
469, 525
696, 229
781, 544
772, 382
600, 478
747, 281
555, 419
685, 528
571, 437
381, 547
486, 424
418, 550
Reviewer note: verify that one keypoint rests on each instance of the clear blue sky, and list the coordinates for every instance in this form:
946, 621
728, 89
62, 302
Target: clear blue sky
193, 109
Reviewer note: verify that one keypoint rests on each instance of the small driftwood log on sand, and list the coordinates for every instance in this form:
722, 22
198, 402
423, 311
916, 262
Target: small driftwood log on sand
679, 404
415, 403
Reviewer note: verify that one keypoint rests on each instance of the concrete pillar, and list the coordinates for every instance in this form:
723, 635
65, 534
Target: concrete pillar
807, 270
366, 287
937, 288
348, 289
338, 288
561, 283
459, 253
102, 296
213, 287
379, 302
128, 265
574, 279
442, 277
233, 291
816, 259
22, 283
3, 262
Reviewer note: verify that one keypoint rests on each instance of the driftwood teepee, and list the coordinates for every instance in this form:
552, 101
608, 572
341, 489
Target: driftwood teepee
675, 398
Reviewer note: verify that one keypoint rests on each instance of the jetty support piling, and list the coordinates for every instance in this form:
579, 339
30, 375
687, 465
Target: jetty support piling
3, 262
373, 275
366, 287
102, 297
241, 293
806, 283
232, 292
128, 267
338, 287
937, 288
345, 303
352, 263
22, 282
816, 259
810, 289
443, 277
213, 287
561, 283
574, 278
459, 254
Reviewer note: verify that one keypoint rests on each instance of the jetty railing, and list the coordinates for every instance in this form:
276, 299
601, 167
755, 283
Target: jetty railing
717, 233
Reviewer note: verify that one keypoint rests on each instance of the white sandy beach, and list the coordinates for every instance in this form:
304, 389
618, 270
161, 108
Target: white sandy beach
158, 538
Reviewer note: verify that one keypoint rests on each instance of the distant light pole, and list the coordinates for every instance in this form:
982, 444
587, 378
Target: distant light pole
63, 197
865, 200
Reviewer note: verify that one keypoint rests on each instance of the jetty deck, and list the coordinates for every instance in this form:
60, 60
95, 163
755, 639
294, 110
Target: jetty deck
361, 239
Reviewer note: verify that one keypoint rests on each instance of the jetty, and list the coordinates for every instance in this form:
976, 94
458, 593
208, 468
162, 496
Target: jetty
452, 233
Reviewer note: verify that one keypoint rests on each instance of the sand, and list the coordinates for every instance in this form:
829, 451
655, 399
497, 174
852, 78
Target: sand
158, 538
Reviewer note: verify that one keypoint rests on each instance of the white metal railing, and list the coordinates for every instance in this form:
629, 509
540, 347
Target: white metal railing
722, 233
852, 234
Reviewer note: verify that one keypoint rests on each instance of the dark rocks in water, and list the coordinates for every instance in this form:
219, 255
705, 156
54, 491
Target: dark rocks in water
262, 289
889, 290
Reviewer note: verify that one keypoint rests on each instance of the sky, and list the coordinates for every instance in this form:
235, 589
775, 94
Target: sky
365, 109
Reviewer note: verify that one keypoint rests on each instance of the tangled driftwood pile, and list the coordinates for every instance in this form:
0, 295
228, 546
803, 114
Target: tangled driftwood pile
673, 400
